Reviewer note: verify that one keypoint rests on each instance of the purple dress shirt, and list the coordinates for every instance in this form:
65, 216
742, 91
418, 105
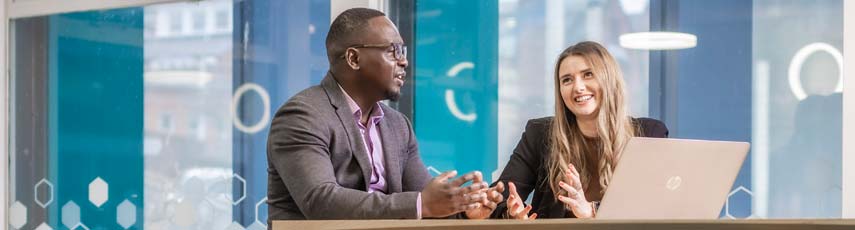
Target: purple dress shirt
370, 133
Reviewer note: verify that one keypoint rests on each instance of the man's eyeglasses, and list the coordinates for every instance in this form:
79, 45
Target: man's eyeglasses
400, 50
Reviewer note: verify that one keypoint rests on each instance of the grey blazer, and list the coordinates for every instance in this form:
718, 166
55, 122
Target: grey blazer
318, 167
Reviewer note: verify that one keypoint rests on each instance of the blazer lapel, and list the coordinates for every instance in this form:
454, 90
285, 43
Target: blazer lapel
345, 115
391, 154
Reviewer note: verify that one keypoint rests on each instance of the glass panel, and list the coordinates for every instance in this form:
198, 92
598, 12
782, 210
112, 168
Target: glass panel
79, 107
187, 141
28, 155
793, 119
281, 53
456, 85
703, 90
797, 108
137, 118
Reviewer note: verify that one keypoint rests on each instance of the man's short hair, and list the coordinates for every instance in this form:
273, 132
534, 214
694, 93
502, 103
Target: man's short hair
346, 27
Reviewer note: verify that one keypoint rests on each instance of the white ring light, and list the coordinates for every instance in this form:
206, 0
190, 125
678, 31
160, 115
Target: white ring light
449, 94
794, 73
265, 100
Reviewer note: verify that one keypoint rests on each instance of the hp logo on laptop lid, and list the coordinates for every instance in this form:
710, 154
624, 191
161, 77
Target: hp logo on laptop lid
673, 183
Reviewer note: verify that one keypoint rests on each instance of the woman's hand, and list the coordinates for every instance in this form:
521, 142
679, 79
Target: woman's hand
516, 207
575, 198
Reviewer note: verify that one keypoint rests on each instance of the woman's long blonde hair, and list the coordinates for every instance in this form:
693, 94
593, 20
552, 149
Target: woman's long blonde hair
614, 126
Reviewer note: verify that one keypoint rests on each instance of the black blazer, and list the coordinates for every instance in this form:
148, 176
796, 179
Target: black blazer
527, 166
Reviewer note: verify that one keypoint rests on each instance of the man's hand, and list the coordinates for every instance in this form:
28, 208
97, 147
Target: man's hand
442, 197
489, 203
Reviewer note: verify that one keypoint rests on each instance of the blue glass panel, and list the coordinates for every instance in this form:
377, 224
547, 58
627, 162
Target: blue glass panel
456, 84
282, 51
96, 112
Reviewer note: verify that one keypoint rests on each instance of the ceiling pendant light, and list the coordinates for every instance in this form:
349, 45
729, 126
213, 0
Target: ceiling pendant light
658, 40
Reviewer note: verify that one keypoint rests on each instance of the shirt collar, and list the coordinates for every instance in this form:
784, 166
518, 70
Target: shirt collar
376, 114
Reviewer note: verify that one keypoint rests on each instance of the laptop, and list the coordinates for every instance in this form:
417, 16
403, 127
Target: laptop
658, 178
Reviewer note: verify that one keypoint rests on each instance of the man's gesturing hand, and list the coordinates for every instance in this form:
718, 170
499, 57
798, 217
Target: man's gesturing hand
444, 197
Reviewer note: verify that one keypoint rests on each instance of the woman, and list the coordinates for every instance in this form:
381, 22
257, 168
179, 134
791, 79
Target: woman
567, 161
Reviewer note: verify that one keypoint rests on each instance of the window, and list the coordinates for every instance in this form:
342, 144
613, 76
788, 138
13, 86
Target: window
176, 23
199, 22
166, 122
223, 20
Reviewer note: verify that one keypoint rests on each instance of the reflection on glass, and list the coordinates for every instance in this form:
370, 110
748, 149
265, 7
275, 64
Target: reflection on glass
121, 118
77, 120
188, 137
797, 108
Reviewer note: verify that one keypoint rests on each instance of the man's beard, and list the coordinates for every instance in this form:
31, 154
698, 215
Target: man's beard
393, 95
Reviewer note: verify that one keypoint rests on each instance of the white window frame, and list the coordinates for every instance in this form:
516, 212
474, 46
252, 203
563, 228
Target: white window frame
4, 110
30, 8
13, 9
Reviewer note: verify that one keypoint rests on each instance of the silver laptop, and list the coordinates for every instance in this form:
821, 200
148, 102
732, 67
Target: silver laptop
659, 178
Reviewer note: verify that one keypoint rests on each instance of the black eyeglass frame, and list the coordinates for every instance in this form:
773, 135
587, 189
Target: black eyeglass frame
400, 50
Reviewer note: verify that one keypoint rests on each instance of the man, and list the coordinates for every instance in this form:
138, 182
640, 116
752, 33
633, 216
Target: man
335, 152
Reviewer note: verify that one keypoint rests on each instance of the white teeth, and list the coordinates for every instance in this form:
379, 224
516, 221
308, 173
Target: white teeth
584, 98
